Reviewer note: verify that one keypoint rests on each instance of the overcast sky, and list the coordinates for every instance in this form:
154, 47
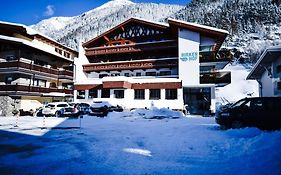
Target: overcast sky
32, 11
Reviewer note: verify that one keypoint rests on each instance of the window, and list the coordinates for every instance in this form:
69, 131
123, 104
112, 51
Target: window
165, 73
80, 94
119, 93
93, 93
62, 105
139, 93
105, 93
256, 105
66, 54
102, 75
9, 80
154, 94
115, 74
171, 94
279, 85
58, 51
138, 74
150, 73
278, 69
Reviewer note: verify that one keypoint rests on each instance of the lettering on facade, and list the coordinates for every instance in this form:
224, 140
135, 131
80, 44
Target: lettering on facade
121, 66
113, 50
189, 56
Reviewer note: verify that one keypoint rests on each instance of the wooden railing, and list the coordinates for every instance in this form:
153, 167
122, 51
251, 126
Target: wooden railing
37, 68
131, 48
215, 77
32, 89
222, 55
145, 64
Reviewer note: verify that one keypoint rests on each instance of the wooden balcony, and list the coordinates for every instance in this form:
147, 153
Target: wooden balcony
36, 69
131, 65
65, 74
219, 78
210, 56
28, 89
130, 48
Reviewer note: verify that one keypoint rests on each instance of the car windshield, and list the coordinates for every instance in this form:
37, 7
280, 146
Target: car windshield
62, 105
239, 103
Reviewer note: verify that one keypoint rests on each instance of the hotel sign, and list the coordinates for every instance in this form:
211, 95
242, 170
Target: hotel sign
100, 51
122, 66
189, 56
189, 66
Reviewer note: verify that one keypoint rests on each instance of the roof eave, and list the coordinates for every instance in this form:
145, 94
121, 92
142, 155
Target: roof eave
160, 25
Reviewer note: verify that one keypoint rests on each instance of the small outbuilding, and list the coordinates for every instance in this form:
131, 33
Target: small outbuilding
267, 71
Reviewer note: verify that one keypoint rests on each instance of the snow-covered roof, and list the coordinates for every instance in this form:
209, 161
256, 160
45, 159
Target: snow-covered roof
199, 26
30, 44
267, 57
150, 21
33, 32
206, 30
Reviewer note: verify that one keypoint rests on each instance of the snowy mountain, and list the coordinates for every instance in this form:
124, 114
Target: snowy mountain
253, 25
71, 30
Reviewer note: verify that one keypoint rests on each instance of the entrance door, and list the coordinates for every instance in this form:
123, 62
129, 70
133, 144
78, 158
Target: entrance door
198, 100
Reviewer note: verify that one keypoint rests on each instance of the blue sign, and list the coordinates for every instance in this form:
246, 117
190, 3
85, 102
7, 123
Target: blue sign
189, 56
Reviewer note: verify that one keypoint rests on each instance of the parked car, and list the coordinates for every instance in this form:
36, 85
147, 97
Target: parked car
74, 110
261, 112
38, 112
52, 109
102, 108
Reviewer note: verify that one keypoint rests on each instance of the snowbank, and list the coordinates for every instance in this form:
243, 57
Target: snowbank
153, 113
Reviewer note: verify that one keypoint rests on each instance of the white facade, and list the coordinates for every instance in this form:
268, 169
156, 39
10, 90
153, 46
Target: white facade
186, 72
267, 71
189, 42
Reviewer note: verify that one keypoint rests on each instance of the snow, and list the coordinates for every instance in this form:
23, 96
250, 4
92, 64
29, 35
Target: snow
239, 87
35, 45
96, 21
114, 4
135, 145
199, 26
31, 31
98, 104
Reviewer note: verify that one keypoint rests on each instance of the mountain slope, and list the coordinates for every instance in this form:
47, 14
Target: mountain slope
71, 30
253, 25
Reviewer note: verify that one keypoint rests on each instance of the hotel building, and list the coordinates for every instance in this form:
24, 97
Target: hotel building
141, 63
34, 69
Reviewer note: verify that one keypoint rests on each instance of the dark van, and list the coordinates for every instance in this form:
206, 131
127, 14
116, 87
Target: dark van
261, 112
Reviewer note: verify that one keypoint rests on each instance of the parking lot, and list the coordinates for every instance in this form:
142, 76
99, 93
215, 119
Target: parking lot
123, 143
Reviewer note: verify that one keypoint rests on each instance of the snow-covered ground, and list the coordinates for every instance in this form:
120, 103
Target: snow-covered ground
133, 143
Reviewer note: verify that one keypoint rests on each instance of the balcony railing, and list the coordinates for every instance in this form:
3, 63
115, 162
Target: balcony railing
37, 69
215, 77
210, 56
31, 89
131, 48
131, 65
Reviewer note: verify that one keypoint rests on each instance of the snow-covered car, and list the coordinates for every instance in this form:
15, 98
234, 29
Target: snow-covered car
52, 109
261, 112
74, 110
101, 108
